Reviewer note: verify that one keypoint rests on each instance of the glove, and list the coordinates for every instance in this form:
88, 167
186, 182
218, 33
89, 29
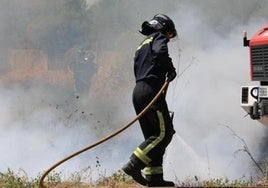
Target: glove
171, 75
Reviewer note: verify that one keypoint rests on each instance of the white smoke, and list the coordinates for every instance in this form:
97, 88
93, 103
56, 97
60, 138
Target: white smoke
206, 100
91, 2
37, 130
38, 127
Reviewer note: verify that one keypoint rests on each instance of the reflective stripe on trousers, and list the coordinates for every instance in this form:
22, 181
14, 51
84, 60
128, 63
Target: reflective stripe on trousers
142, 153
153, 170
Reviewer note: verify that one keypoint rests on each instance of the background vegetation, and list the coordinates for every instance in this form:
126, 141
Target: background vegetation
118, 179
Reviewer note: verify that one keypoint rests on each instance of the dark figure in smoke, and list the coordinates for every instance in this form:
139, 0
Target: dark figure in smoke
152, 65
82, 69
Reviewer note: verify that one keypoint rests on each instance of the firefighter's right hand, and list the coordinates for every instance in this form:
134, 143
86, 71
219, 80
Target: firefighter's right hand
171, 75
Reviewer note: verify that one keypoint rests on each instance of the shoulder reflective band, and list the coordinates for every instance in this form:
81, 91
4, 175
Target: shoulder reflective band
146, 41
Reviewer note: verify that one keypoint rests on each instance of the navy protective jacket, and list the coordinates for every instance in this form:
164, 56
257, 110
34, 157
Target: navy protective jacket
152, 61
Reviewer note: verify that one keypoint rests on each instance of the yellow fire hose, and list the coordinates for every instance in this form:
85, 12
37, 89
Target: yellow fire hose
161, 91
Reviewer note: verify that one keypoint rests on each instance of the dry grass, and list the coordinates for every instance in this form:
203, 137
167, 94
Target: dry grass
20, 179
81, 185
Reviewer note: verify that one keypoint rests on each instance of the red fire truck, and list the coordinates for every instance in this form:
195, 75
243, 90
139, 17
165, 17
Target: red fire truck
254, 99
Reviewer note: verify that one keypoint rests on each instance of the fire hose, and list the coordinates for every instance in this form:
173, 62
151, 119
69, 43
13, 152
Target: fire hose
162, 91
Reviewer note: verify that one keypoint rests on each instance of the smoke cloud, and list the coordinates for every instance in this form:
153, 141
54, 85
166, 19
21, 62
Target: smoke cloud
206, 97
41, 124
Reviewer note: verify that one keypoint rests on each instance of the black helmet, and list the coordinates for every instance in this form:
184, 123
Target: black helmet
160, 22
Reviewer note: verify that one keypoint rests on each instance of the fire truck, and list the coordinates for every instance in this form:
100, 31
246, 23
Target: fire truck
254, 99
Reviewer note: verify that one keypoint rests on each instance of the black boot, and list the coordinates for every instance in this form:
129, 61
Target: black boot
135, 172
157, 180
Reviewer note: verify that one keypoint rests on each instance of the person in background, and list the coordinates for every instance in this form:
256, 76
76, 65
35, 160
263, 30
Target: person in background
82, 69
152, 67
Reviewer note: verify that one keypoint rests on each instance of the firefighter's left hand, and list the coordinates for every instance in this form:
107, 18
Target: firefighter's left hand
171, 76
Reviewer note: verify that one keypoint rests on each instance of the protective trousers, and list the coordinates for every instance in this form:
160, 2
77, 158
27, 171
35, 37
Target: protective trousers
156, 126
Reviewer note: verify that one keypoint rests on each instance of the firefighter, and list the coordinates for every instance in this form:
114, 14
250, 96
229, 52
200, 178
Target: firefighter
152, 67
